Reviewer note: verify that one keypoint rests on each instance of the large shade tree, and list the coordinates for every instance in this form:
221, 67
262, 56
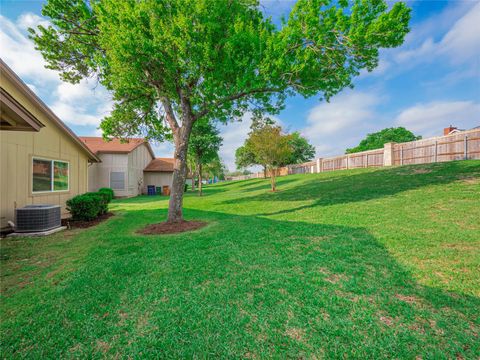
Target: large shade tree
170, 63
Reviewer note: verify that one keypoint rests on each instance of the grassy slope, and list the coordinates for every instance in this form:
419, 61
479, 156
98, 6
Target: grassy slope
361, 263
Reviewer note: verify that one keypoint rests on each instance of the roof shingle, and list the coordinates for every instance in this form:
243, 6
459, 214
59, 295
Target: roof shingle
99, 145
160, 165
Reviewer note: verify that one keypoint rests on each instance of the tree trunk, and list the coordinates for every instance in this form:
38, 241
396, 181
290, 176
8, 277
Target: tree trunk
264, 171
199, 179
272, 179
193, 181
179, 174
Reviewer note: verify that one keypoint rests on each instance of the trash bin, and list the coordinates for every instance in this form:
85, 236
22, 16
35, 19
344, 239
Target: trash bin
159, 190
166, 190
151, 189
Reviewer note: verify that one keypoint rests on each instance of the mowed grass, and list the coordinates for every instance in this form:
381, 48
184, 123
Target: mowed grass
370, 263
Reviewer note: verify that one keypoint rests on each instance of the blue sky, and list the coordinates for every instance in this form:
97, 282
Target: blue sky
430, 82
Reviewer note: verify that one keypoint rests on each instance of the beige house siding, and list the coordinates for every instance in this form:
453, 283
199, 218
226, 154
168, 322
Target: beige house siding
99, 174
157, 179
138, 159
131, 164
16, 152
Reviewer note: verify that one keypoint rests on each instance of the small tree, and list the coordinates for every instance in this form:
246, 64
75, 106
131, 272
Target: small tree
191, 169
302, 151
379, 139
171, 63
272, 148
205, 143
244, 157
214, 168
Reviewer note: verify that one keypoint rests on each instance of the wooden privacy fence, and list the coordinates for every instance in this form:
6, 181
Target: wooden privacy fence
459, 146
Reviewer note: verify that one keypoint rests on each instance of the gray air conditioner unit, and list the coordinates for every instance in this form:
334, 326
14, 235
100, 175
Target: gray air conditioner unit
37, 218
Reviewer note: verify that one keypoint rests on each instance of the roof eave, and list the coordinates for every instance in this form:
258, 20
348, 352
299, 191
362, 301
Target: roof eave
26, 91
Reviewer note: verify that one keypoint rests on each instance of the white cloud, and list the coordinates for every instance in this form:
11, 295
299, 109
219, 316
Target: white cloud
19, 53
83, 104
343, 111
332, 127
417, 54
233, 135
73, 92
31, 20
74, 114
164, 149
430, 118
460, 44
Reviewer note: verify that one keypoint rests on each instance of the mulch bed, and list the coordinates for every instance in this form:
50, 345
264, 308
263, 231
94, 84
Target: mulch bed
172, 228
79, 224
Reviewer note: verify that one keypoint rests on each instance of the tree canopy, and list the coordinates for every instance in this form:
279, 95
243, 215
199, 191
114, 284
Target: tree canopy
378, 139
244, 157
302, 150
271, 148
171, 63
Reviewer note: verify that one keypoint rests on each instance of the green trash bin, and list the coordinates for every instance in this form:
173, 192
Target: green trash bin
159, 190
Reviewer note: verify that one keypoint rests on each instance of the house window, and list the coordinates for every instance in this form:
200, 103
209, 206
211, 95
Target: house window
49, 175
117, 180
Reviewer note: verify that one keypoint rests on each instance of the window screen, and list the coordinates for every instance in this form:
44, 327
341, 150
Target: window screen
49, 175
117, 180
60, 175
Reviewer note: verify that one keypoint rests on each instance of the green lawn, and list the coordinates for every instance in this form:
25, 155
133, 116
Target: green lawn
374, 263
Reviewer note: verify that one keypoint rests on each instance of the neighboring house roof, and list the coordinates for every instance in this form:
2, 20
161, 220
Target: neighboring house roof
160, 165
28, 93
114, 146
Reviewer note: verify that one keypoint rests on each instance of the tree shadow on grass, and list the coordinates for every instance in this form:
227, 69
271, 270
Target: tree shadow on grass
265, 184
245, 286
355, 186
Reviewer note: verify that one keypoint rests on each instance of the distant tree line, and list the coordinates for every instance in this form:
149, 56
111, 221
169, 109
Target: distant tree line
378, 139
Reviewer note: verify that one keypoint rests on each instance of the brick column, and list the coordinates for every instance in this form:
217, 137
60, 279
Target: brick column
388, 154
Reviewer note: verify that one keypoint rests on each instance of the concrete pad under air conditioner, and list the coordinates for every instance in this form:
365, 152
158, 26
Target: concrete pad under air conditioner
39, 233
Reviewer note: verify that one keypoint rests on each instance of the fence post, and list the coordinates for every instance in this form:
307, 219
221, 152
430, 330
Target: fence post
401, 155
318, 165
388, 154
435, 153
367, 160
465, 155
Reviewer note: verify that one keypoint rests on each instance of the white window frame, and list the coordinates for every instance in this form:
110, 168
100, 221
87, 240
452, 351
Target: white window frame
52, 175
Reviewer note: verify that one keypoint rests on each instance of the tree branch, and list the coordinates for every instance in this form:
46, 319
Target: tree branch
207, 108
170, 114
